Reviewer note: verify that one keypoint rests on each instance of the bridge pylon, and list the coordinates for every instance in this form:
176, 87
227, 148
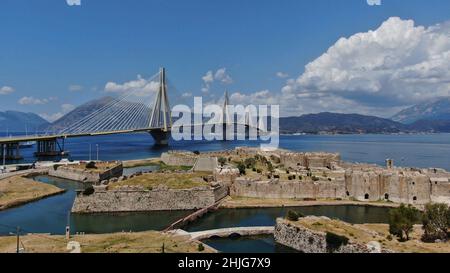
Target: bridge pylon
161, 118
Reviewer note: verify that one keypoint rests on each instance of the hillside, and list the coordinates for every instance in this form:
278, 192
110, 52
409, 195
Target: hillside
339, 124
79, 113
14, 121
434, 110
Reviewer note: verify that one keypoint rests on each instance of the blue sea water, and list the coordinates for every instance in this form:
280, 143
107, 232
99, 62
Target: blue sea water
424, 151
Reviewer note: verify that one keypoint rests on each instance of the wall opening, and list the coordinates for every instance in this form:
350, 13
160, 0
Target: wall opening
366, 196
386, 196
348, 193
415, 198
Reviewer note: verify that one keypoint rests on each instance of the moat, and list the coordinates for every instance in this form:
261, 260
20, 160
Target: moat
50, 215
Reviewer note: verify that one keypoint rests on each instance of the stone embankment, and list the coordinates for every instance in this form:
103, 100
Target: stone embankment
308, 240
86, 175
140, 200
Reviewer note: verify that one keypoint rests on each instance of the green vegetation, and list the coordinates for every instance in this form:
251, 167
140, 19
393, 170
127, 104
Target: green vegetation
89, 191
171, 180
200, 248
164, 167
250, 163
242, 168
222, 161
91, 165
436, 222
334, 241
402, 220
294, 216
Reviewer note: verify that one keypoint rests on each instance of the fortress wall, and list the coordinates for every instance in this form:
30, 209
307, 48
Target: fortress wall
395, 186
311, 241
141, 200
440, 190
288, 189
86, 176
178, 159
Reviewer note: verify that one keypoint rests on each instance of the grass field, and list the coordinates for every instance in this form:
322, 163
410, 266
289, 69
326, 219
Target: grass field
18, 190
141, 242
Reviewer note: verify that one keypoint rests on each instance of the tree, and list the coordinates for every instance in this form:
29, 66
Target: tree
402, 220
270, 167
435, 222
292, 216
241, 167
222, 161
91, 165
250, 163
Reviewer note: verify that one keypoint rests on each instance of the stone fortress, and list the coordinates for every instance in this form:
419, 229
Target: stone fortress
326, 176
279, 174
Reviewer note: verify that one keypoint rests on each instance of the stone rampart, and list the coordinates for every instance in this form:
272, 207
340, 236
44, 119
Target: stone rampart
122, 200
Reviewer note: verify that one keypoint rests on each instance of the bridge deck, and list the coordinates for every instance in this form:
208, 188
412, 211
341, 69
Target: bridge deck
226, 232
16, 139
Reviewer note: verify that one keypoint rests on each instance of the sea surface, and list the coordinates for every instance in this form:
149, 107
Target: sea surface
422, 150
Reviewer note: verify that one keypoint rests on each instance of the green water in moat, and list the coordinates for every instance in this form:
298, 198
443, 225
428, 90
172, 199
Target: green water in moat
51, 215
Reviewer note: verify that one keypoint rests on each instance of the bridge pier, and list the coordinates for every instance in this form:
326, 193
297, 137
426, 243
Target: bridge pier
11, 150
161, 137
49, 148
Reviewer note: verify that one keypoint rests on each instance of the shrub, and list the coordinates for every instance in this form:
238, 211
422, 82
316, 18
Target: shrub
241, 168
315, 178
88, 191
250, 163
259, 171
402, 220
292, 216
254, 169
91, 165
56, 166
335, 241
435, 222
276, 176
222, 161
200, 247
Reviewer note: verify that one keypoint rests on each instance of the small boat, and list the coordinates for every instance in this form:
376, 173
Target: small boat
28, 144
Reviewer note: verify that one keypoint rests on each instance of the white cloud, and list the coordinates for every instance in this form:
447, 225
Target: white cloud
35, 101
220, 76
65, 108
396, 65
282, 75
5, 90
73, 2
140, 87
75, 88
208, 78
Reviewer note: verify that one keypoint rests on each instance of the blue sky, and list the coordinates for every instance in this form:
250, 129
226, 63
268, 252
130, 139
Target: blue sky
54, 56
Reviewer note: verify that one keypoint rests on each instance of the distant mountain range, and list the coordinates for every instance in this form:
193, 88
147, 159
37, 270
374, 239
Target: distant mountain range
84, 110
78, 113
340, 124
434, 110
14, 121
433, 116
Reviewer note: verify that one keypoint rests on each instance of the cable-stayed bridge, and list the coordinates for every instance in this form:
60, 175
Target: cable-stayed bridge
143, 109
